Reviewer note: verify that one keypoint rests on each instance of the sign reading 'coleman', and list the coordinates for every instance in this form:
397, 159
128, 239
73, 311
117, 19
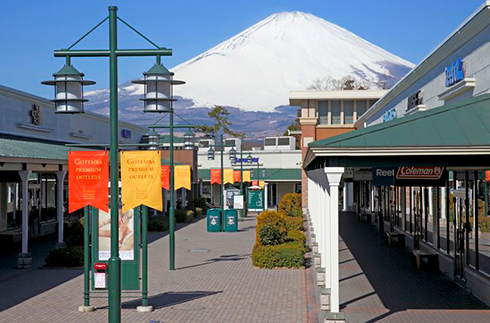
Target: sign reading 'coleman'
433, 173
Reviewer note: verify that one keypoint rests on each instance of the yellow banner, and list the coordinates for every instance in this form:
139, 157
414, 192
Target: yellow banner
141, 179
262, 184
228, 176
246, 176
182, 177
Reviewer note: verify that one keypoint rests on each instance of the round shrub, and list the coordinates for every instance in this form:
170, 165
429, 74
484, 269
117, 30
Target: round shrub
290, 202
158, 223
293, 223
284, 255
270, 235
65, 257
296, 236
272, 218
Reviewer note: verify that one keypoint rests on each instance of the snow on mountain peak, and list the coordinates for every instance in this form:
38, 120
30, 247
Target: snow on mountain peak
255, 69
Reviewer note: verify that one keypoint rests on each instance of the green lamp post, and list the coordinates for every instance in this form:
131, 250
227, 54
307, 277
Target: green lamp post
69, 99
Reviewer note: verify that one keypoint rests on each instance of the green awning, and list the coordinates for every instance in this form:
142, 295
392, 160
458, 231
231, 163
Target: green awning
456, 134
271, 174
22, 149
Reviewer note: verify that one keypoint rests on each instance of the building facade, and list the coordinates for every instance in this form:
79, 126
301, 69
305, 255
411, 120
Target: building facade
325, 114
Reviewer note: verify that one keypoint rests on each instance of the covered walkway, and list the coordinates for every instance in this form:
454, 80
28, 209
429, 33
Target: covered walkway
378, 283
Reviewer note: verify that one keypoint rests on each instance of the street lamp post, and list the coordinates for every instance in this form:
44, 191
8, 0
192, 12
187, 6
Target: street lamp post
171, 211
69, 99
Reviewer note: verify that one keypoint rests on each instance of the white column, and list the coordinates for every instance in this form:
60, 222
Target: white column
60, 178
345, 197
431, 206
15, 202
326, 255
184, 197
24, 177
443, 202
371, 191
350, 195
266, 204
334, 175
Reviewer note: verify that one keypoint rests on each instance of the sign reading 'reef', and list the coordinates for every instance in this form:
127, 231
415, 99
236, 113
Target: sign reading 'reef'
88, 178
141, 179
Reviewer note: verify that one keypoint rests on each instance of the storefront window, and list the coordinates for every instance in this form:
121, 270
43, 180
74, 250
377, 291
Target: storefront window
335, 108
483, 227
348, 112
323, 112
360, 108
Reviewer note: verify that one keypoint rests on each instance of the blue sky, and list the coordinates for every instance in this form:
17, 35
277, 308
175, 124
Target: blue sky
31, 30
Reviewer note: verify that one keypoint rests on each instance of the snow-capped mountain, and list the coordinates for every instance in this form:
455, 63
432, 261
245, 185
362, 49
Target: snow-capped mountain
256, 69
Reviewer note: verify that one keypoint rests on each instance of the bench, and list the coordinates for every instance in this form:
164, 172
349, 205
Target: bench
367, 216
419, 255
400, 239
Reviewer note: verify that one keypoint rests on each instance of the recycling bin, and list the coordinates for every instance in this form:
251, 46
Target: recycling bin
231, 220
214, 220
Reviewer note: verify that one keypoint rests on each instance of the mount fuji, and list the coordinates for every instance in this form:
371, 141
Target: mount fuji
253, 72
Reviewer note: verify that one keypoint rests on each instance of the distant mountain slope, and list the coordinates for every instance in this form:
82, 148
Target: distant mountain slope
255, 70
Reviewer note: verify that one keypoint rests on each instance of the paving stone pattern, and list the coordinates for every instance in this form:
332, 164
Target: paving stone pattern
378, 283
216, 286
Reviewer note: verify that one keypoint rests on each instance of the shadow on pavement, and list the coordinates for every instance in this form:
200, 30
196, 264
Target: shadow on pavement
169, 299
399, 286
215, 260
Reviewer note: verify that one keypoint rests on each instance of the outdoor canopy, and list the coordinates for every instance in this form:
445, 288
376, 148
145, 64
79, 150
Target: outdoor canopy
456, 134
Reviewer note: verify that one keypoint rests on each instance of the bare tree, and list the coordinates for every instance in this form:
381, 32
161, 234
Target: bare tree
328, 83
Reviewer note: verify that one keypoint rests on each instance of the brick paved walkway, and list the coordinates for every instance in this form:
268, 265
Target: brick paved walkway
377, 283
216, 286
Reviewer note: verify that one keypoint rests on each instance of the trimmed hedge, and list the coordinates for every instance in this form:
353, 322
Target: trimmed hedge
65, 257
293, 223
270, 235
290, 205
184, 215
289, 255
158, 223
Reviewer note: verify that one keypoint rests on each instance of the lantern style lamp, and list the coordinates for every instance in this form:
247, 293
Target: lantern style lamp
68, 89
233, 155
211, 153
189, 139
158, 82
153, 140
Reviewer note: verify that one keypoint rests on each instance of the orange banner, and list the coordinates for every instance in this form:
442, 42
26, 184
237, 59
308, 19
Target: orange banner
255, 183
141, 179
166, 177
228, 176
215, 176
183, 177
88, 180
236, 176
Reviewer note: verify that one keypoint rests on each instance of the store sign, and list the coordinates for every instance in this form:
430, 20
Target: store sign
36, 115
125, 133
363, 174
389, 115
383, 176
431, 173
454, 73
421, 176
415, 100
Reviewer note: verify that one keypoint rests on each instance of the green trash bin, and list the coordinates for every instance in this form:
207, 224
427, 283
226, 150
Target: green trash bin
231, 220
214, 220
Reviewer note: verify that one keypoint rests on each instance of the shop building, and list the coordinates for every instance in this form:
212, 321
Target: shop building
418, 163
34, 163
325, 114
279, 167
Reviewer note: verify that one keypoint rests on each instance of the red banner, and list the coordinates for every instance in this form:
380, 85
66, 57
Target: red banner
255, 183
487, 175
88, 180
166, 177
237, 177
215, 176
